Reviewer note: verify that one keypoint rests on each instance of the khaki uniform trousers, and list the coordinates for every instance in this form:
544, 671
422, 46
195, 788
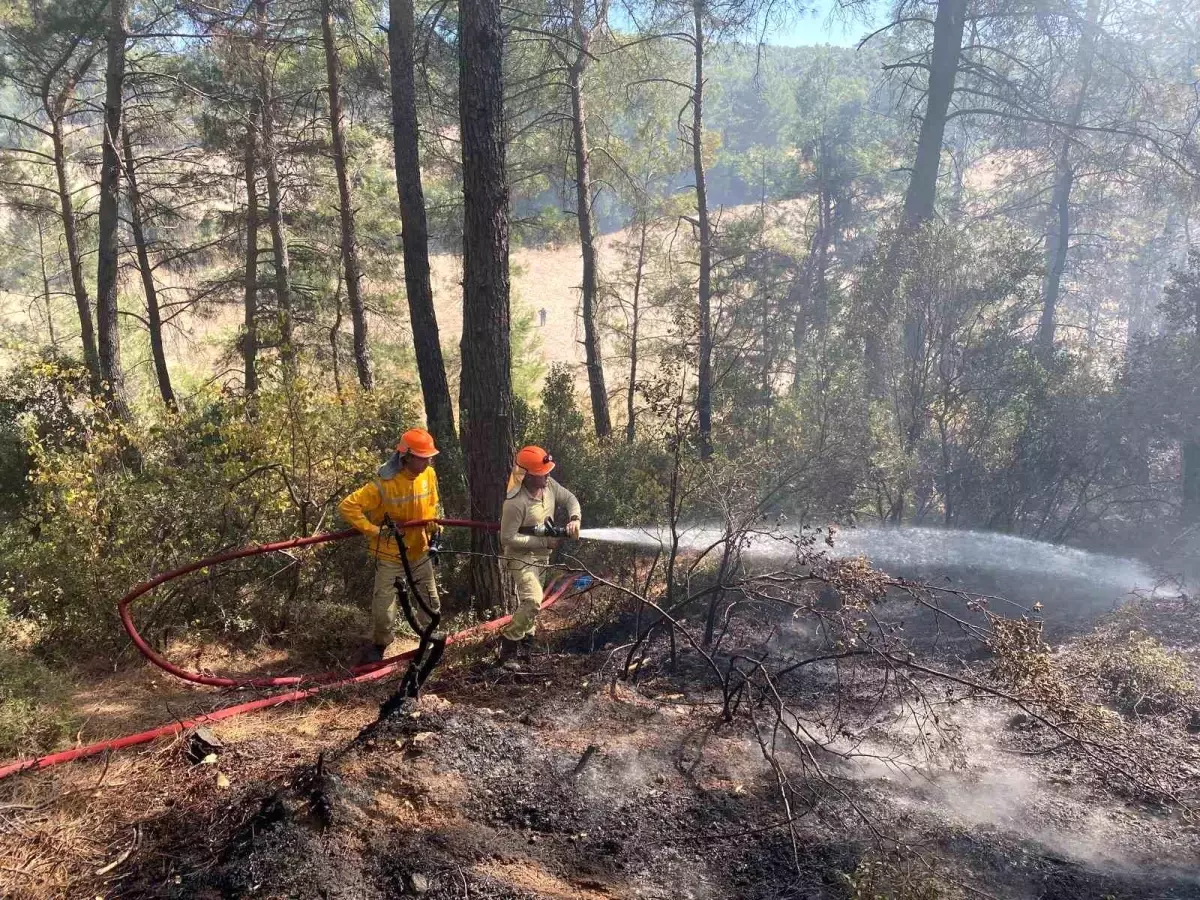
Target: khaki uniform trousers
383, 600
528, 580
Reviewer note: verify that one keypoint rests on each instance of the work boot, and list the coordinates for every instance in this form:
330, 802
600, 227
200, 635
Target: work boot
525, 649
507, 657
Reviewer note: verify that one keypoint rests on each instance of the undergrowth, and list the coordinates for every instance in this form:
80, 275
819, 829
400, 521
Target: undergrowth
1145, 678
33, 710
895, 876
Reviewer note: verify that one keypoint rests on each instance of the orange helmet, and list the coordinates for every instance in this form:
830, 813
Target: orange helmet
535, 460
418, 442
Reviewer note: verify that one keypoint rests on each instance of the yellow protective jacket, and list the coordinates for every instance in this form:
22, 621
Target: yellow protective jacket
403, 498
521, 510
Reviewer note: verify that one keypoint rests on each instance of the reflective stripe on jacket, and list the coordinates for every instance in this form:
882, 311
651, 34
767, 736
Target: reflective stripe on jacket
402, 498
521, 510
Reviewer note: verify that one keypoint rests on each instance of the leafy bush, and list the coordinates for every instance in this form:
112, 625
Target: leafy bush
894, 876
1146, 678
221, 475
38, 402
31, 701
617, 483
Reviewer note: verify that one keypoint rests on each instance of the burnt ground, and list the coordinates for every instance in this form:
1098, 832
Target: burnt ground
486, 789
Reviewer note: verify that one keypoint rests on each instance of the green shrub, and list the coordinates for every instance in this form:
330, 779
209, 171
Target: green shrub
39, 401
330, 631
220, 475
1143, 677
32, 698
617, 483
894, 876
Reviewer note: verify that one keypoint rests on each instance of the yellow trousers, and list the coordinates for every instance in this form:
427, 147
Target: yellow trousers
383, 600
527, 580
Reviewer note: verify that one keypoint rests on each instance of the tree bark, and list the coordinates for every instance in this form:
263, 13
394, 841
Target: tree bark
1058, 234
279, 248
630, 427
335, 356
1191, 482
587, 232
358, 316
704, 293
83, 303
41, 227
486, 401
108, 222
153, 316
1190, 463
810, 298
1058, 239
947, 46
250, 291
435, 389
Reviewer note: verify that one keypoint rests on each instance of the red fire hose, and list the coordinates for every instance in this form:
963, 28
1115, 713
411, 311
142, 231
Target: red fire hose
257, 550
321, 682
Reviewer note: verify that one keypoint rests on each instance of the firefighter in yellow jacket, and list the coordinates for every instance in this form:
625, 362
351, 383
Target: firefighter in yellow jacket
405, 489
532, 498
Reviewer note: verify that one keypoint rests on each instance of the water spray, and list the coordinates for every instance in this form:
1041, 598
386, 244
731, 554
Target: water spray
908, 550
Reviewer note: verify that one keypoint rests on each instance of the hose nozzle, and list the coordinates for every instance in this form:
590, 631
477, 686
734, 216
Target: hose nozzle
547, 529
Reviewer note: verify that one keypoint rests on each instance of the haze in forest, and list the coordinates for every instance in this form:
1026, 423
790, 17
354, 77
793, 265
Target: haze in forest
912, 287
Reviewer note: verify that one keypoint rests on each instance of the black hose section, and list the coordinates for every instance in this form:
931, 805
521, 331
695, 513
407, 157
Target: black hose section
431, 646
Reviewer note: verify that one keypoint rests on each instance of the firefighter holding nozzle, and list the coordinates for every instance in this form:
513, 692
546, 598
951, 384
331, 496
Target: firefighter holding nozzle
527, 537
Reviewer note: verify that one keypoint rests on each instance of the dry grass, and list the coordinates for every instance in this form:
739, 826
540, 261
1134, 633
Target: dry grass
199, 346
60, 828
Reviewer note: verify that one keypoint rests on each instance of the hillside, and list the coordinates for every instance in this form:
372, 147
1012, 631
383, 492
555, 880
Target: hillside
560, 781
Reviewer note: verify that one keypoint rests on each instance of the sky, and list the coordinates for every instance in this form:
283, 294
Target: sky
821, 24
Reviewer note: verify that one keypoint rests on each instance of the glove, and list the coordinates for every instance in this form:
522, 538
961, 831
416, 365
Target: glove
435, 548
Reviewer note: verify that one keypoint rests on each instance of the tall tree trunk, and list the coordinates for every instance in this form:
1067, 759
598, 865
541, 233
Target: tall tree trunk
1058, 238
704, 383
630, 427
587, 237
108, 221
427, 343
766, 387
820, 281
485, 400
358, 315
83, 303
279, 247
335, 355
1058, 232
153, 316
1191, 482
920, 199
1191, 447
947, 46
810, 299
41, 227
250, 290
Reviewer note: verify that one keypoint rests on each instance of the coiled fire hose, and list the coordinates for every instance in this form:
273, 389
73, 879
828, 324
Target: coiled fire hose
323, 681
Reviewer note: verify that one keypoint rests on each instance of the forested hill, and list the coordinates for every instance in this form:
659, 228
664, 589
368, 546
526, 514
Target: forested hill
946, 282
971, 243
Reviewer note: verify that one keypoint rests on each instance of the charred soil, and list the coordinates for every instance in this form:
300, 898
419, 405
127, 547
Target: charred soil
559, 781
